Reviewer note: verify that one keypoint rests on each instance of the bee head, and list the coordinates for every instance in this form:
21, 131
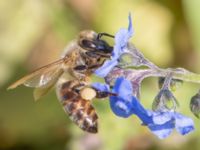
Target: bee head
90, 40
88, 34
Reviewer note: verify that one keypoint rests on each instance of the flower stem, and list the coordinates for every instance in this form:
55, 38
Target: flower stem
181, 74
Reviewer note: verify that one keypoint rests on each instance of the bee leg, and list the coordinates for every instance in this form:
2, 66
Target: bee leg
91, 54
103, 94
99, 36
78, 74
80, 68
77, 88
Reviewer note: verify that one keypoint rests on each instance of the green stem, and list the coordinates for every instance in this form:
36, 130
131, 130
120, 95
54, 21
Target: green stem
154, 70
181, 74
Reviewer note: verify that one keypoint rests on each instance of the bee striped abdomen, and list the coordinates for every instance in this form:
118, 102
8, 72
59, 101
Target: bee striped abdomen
80, 111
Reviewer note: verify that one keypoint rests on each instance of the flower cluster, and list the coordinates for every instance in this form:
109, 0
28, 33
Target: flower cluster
161, 122
125, 83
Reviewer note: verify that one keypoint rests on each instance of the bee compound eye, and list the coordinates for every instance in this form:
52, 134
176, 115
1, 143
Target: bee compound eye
88, 44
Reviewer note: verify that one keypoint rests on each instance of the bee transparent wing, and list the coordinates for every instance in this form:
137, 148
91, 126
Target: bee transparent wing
41, 91
42, 76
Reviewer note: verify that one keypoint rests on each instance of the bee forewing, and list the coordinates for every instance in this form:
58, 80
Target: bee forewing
41, 91
44, 79
42, 76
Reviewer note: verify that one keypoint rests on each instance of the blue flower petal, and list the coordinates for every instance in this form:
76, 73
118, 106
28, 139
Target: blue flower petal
101, 87
121, 104
121, 40
106, 68
120, 107
162, 131
161, 117
123, 88
125, 104
140, 111
184, 125
130, 26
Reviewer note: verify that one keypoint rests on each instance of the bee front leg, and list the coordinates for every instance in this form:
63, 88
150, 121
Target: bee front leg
90, 93
103, 94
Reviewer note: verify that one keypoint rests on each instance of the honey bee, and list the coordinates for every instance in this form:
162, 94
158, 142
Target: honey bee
70, 75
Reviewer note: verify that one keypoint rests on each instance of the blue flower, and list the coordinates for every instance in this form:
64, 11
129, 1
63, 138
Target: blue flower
162, 130
125, 104
121, 40
163, 123
183, 124
160, 123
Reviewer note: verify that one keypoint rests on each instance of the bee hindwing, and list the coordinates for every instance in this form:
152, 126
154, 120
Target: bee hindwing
80, 111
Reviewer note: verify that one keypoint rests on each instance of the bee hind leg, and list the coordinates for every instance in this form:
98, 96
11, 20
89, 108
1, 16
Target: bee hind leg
103, 94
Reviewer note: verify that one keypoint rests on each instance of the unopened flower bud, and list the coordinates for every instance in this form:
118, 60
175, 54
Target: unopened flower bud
164, 100
174, 84
195, 105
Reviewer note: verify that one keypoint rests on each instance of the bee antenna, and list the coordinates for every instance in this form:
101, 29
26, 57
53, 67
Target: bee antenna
104, 34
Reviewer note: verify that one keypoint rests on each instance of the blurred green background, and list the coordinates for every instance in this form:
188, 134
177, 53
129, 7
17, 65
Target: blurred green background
34, 33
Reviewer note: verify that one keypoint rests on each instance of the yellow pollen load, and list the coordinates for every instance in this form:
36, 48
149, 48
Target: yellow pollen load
88, 93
